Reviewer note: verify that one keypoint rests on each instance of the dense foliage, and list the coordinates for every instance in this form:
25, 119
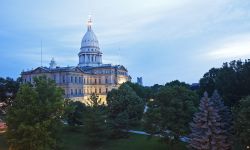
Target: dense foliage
75, 112
232, 81
207, 129
171, 111
242, 124
142, 91
125, 108
8, 91
34, 119
95, 122
225, 114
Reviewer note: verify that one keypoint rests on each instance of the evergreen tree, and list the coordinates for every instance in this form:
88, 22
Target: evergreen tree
225, 114
125, 109
207, 131
34, 119
95, 126
242, 123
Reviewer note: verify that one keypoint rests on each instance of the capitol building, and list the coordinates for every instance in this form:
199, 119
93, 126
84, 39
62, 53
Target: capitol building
89, 76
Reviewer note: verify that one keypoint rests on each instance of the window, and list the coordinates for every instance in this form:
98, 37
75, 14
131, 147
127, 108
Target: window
71, 79
63, 79
106, 80
75, 79
71, 91
84, 80
106, 90
54, 77
95, 90
95, 81
79, 79
100, 81
80, 92
100, 90
75, 91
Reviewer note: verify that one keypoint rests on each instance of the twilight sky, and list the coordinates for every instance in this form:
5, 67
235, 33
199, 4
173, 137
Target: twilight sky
160, 40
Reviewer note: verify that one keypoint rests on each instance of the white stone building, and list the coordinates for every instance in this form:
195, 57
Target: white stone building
89, 76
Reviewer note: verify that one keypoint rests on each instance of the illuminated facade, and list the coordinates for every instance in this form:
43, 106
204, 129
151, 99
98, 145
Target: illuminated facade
89, 76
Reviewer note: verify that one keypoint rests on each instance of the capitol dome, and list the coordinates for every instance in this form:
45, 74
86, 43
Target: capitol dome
90, 54
89, 40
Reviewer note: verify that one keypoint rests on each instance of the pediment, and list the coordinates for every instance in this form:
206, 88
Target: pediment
39, 70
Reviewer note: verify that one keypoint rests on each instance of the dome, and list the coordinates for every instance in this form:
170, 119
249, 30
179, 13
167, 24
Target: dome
89, 39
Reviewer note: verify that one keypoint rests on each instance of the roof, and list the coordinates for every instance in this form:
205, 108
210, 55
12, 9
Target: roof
85, 69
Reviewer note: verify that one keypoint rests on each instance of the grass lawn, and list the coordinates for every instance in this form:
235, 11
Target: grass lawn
74, 140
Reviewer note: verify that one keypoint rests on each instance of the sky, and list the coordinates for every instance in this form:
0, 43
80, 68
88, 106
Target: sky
159, 40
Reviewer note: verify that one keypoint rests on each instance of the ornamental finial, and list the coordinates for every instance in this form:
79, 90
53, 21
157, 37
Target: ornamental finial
89, 22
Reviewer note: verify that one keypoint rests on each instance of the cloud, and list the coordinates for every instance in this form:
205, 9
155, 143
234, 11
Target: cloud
234, 47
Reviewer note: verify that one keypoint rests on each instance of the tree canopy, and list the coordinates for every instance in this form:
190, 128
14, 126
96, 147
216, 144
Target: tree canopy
34, 119
171, 111
125, 108
231, 80
8, 91
242, 122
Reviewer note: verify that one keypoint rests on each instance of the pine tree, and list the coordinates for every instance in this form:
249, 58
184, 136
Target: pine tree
207, 131
95, 127
225, 114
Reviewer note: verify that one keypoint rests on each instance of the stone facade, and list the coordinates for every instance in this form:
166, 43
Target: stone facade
89, 76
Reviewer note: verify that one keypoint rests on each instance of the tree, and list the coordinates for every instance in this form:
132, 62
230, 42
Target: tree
177, 83
231, 80
242, 123
125, 109
142, 91
95, 126
75, 113
34, 119
8, 91
152, 118
207, 128
176, 105
225, 114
